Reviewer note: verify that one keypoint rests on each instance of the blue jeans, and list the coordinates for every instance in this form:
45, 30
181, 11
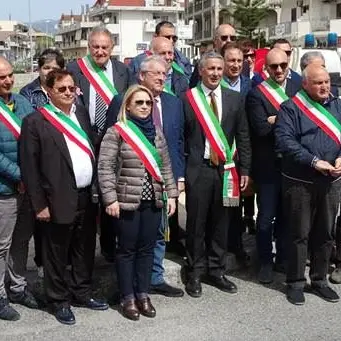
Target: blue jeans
269, 223
159, 255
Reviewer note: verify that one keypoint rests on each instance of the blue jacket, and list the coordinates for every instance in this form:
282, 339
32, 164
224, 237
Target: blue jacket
300, 140
245, 85
34, 93
183, 62
9, 169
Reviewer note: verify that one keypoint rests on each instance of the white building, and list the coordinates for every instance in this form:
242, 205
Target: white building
300, 17
131, 23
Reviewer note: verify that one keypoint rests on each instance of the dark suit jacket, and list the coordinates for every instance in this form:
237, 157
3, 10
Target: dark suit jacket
173, 128
235, 126
121, 76
179, 84
296, 79
46, 166
258, 108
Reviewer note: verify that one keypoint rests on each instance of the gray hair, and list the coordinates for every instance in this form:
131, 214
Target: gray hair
308, 56
152, 59
100, 29
209, 55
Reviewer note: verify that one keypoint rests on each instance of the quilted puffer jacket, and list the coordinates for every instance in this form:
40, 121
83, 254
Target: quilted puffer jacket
121, 172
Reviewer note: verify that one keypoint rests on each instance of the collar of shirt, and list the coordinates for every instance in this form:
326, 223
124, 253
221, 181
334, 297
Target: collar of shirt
289, 74
233, 83
284, 84
207, 91
72, 110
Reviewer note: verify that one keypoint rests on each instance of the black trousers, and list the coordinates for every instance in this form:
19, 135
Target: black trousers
310, 211
338, 241
249, 206
76, 241
38, 240
108, 234
136, 232
174, 227
207, 223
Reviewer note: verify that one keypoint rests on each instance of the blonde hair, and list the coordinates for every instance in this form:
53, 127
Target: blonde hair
122, 117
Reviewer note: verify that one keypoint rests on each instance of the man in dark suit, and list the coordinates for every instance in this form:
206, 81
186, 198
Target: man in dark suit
57, 165
211, 180
263, 103
176, 83
234, 80
90, 95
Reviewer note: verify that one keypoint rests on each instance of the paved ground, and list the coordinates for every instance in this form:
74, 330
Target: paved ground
255, 313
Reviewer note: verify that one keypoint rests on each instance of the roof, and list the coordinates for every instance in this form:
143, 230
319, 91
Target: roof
68, 17
135, 3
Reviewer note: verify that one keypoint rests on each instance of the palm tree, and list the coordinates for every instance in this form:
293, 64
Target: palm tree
247, 14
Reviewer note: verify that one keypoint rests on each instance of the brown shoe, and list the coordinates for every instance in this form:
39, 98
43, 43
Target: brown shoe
130, 310
146, 308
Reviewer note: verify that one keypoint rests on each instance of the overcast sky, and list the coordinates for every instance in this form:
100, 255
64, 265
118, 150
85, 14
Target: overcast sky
40, 9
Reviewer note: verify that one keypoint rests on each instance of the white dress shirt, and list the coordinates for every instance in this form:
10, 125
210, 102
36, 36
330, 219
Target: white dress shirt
218, 98
159, 106
81, 162
92, 94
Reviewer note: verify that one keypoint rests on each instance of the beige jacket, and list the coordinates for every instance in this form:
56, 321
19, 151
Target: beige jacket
121, 172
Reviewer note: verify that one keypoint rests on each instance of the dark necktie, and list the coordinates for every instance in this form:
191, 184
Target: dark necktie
100, 111
156, 114
213, 155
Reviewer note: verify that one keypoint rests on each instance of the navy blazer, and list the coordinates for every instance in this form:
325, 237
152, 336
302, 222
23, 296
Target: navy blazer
258, 107
179, 84
173, 128
121, 76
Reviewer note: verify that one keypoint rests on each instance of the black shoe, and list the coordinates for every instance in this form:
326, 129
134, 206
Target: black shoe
223, 284
91, 304
166, 290
295, 296
265, 274
325, 292
65, 315
24, 298
193, 287
7, 312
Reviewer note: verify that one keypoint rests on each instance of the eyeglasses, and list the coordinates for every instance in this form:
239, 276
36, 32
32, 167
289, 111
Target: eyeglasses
62, 89
250, 55
174, 38
288, 53
228, 37
274, 67
157, 73
140, 102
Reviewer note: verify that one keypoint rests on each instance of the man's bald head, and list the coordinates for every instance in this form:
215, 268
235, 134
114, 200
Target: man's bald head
164, 48
276, 64
224, 33
316, 82
6, 78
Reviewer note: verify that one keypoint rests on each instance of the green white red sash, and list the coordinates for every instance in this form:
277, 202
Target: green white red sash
149, 156
167, 89
67, 126
319, 115
10, 120
273, 92
97, 78
218, 141
224, 84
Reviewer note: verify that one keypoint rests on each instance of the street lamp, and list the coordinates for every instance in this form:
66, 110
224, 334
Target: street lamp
30, 32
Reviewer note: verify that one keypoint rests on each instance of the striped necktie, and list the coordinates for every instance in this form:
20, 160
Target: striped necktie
100, 110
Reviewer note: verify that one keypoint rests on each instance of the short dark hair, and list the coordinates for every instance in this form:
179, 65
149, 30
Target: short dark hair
246, 45
163, 24
230, 46
51, 54
280, 41
56, 75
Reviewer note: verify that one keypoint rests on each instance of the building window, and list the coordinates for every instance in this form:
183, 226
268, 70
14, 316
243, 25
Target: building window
293, 14
338, 11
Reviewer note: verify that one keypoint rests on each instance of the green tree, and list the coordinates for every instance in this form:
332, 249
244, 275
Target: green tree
247, 15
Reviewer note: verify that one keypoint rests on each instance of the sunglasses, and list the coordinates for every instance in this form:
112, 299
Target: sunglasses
140, 102
228, 37
174, 38
288, 53
274, 67
250, 55
63, 89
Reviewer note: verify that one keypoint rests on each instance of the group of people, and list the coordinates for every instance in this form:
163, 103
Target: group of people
98, 138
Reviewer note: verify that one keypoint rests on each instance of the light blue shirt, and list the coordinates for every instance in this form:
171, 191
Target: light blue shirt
168, 80
235, 85
92, 93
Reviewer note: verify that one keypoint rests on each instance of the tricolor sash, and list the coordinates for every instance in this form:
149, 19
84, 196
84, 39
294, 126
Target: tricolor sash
218, 141
224, 84
10, 120
97, 78
149, 156
319, 115
167, 89
64, 124
273, 92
